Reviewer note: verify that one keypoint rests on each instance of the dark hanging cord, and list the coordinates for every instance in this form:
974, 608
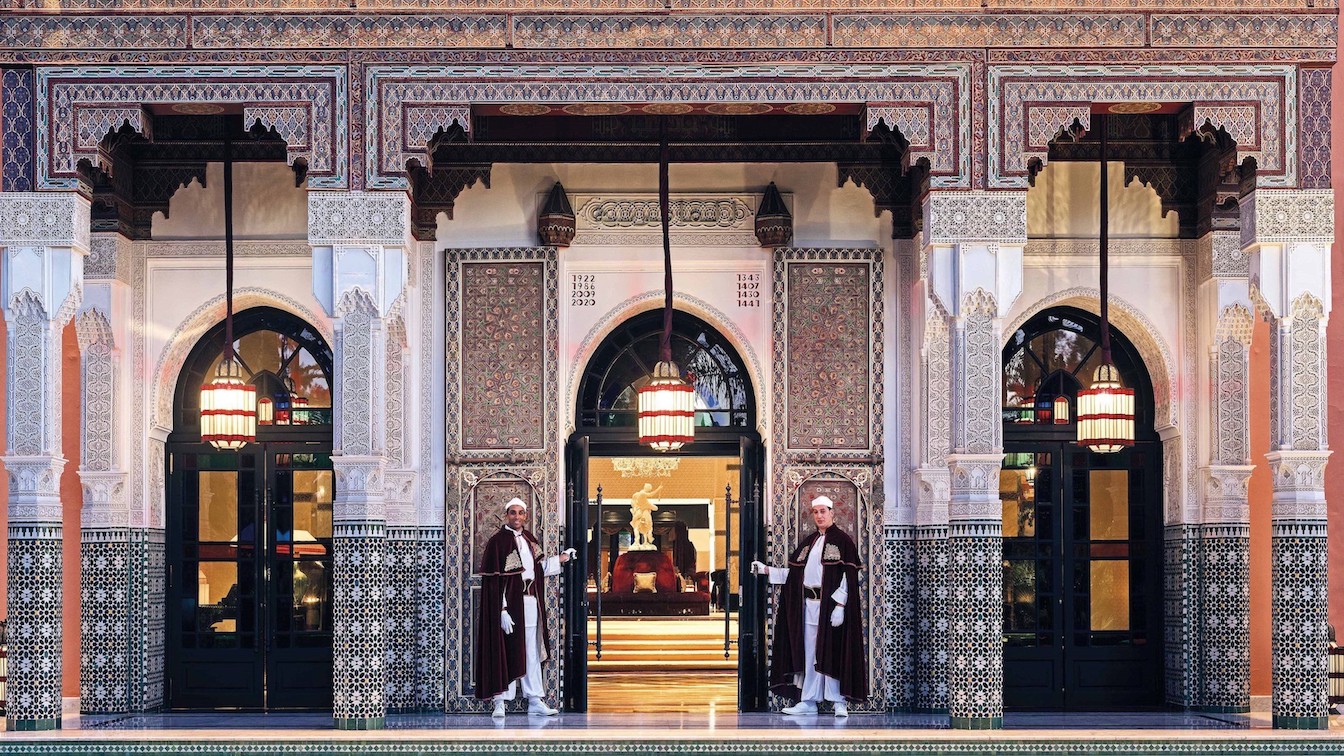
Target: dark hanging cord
1105, 238
665, 347
229, 352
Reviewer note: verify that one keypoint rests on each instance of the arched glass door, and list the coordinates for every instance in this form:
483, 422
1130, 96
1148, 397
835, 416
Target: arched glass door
1082, 532
674, 621
249, 532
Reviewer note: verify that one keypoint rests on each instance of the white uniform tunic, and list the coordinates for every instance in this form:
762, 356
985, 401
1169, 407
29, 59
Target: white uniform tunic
815, 685
533, 687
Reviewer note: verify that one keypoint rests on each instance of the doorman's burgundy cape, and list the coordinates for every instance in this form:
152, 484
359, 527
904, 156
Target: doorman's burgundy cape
839, 649
500, 658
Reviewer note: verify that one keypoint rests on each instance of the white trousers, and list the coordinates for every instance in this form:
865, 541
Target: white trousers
532, 684
815, 685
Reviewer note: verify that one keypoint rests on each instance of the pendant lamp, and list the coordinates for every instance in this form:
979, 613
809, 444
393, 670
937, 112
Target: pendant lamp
1106, 408
228, 401
666, 402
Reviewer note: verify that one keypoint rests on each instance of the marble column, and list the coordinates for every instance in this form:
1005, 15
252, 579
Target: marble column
1288, 234
1223, 680
974, 243
45, 238
359, 242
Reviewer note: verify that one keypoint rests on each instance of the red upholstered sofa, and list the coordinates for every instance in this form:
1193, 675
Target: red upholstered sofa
667, 600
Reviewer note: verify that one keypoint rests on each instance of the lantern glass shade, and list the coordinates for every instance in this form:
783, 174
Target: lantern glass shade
1106, 413
666, 410
265, 411
1062, 410
299, 409
228, 408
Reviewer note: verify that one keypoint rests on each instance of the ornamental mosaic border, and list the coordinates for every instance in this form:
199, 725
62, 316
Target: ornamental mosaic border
680, 25
1233, 746
1020, 135
16, 142
439, 93
78, 105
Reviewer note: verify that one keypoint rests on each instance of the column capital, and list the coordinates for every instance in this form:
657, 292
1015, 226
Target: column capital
45, 236
975, 487
974, 242
1299, 484
361, 488
34, 488
359, 241
1287, 234
1226, 494
959, 217
935, 490
105, 502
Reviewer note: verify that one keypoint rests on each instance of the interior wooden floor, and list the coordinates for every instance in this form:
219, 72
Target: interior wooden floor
662, 692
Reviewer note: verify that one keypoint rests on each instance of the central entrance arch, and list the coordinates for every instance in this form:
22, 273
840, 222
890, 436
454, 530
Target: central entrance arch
675, 606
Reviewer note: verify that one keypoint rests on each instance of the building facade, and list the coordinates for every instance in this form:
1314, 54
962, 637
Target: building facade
405, 266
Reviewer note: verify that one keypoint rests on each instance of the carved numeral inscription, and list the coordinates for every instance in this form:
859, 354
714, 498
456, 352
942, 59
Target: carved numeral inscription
582, 290
748, 289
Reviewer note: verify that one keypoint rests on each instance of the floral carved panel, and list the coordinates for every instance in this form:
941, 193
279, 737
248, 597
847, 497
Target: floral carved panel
503, 341
828, 344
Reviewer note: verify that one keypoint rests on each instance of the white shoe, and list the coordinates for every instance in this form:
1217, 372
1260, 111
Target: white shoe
538, 708
498, 713
801, 708
841, 709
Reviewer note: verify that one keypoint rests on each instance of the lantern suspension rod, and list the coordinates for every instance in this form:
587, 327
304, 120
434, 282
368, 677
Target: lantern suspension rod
1104, 238
665, 346
229, 353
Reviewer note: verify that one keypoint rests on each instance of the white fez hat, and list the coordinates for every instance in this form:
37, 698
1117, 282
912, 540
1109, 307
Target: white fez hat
515, 502
822, 501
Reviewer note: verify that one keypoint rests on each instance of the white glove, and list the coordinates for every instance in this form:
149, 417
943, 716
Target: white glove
838, 615
571, 553
759, 568
506, 622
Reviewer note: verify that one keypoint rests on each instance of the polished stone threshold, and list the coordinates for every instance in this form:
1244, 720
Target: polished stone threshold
1118, 733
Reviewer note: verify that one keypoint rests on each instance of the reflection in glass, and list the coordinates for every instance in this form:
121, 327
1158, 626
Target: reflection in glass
217, 597
312, 506
1110, 594
310, 596
1018, 495
1109, 504
1019, 595
218, 506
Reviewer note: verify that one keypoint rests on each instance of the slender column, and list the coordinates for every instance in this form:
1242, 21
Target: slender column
45, 239
974, 244
931, 512
114, 558
1288, 234
1223, 681
359, 241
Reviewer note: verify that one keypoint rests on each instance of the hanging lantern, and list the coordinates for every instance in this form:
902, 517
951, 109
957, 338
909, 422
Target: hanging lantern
666, 402
228, 408
666, 410
228, 402
1106, 413
1106, 408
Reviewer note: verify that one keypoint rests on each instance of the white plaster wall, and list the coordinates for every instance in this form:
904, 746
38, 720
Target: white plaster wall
266, 205
1065, 204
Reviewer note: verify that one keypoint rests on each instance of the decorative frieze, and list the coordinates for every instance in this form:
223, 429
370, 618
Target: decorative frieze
725, 220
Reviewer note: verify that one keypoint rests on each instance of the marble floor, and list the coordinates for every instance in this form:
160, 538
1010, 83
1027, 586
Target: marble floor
702, 731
